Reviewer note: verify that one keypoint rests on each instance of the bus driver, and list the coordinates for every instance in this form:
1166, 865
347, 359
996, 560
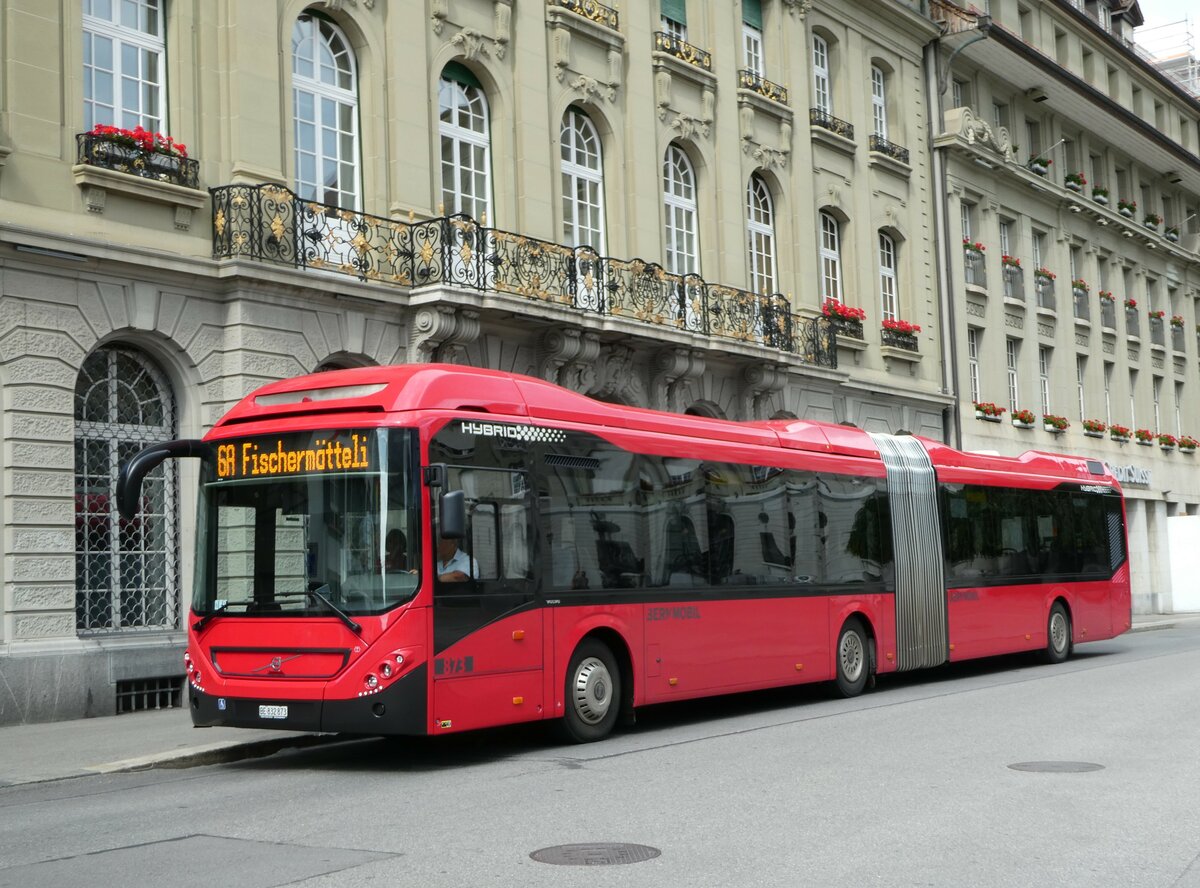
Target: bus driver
455, 565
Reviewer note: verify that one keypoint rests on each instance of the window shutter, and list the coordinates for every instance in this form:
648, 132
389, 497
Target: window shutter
675, 10
752, 13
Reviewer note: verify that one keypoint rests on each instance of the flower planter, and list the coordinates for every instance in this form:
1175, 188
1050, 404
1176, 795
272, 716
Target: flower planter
1151, 225
1187, 450
986, 417
1101, 199
1054, 430
1167, 446
1126, 212
973, 255
1038, 169
1091, 434
1120, 439
1078, 293
1145, 443
1172, 237
1073, 186
1021, 425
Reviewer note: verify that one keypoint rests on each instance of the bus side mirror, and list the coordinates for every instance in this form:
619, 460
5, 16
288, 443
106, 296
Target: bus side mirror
137, 467
452, 510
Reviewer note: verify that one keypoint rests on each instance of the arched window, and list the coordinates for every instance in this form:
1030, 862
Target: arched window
126, 572
466, 144
124, 65
760, 230
831, 258
822, 82
887, 277
679, 205
325, 112
582, 182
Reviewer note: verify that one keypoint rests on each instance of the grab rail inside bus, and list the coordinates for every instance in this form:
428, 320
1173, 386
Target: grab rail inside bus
137, 467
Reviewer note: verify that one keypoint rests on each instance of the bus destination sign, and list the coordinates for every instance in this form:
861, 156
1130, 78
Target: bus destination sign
305, 454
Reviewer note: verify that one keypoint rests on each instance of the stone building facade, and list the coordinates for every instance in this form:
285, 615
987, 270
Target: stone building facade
649, 205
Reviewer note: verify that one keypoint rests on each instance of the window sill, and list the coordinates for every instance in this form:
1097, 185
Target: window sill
977, 290
677, 67
901, 356
830, 139
1014, 302
889, 163
96, 182
762, 103
556, 15
1048, 314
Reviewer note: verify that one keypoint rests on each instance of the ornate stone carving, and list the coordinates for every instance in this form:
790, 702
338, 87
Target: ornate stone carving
974, 130
503, 27
438, 12
441, 332
768, 157
798, 8
562, 53
760, 382
616, 377
690, 127
674, 368
567, 356
339, 5
588, 87
471, 43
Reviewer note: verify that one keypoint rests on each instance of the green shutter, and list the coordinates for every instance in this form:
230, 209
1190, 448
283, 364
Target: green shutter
461, 74
752, 13
675, 10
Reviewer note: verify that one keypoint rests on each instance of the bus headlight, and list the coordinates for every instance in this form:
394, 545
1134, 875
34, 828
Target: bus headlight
385, 669
371, 680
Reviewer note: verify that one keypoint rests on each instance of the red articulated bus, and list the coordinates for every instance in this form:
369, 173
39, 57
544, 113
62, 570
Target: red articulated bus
427, 549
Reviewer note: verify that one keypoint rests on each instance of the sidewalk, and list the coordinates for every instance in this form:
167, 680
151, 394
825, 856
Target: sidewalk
166, 738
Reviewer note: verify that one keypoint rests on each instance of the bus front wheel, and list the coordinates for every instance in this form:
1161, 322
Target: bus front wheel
593, 693
1058, 634
853, 659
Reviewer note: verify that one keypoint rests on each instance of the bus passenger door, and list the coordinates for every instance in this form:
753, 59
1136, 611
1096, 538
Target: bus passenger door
487, 666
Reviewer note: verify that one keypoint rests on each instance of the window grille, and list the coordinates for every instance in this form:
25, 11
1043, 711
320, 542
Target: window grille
139, 695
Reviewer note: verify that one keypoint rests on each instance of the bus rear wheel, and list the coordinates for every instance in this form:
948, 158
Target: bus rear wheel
592, 697
1058, 634
853, 665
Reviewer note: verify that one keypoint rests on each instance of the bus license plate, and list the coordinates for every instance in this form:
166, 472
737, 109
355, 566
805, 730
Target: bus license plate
272, 712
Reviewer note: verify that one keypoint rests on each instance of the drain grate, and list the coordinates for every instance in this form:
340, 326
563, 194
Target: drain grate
1057, 767
595, 854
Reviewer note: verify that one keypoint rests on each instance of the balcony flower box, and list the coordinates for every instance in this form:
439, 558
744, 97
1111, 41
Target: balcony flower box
846, 319
1157, 315
1127, 208
1177, 321
1040, 165
1100, 195
138, 153
1080, 288
1130, 302
1152, 220
1166, 440
1010, 263
1023, 419
1172, 234
1094, 428
1075, 181
1145, 437
1187, 444
973, 249
1106, 296
1119, 433
987, 411
1055, 424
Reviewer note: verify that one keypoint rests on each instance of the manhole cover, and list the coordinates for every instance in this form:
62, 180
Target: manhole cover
1057, 767
595, 854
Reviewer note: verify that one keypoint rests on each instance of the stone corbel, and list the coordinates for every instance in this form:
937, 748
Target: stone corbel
798, 8
567, 357
614, 72
562, 52
689, 127
441, 333
472, 43
503, 27
662, 92
674, 368
761, 382
766, 156
439, 11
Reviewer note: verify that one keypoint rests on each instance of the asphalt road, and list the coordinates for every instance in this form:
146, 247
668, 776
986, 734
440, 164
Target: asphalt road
912, 784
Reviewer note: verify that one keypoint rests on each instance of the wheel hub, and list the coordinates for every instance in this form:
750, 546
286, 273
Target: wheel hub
850, 653
591, 691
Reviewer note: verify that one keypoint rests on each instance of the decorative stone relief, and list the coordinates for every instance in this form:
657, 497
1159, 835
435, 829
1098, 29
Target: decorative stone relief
1045, 330
503, 27
441, 332
339, 5
439, 10
976, 310
1017, 322
798, 8
471, 43
588, 87
673, 369
759, 383
974, 130
617, 379
567, 356
689, 127
1109, 348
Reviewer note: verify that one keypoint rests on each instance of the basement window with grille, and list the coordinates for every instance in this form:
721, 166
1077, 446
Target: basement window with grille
141, 694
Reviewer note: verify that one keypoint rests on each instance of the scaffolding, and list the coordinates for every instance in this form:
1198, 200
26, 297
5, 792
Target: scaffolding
1171, 49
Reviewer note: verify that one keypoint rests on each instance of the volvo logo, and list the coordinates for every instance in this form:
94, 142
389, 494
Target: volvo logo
276, 663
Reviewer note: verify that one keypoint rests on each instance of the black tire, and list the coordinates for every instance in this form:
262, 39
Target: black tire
852, 659
592, 695
1058, 634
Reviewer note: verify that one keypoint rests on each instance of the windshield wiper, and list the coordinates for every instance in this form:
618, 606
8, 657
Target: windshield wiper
319, 594
209, 617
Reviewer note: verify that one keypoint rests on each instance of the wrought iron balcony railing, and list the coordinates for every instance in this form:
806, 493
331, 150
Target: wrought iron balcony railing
883, 146
1158, 335
820, 118
685, 52
899, 339
1177, 338
1014, 283
591, 10
1132, 325
1045, 292
974, 269
269, 223
112, 153
751, 80
1108, 314
1083, 308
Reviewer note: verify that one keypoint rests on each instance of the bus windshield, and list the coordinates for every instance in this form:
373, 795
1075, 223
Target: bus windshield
309, 524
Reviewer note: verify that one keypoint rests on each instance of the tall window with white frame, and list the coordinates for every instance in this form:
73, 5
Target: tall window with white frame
679, 212
1006, 230
822, 82
1011, 347
831, 257
760, 236
1179, 408
1133, 399
752, 37
973, 362
888, 296
582, 182
673, 15
325, 113
966, 213
879, 102
1081, 384
124, 64
1044, 377
1156, 391
465, 144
